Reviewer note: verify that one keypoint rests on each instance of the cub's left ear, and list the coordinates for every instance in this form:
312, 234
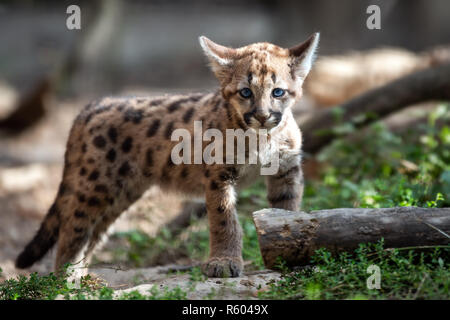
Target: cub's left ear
303, 56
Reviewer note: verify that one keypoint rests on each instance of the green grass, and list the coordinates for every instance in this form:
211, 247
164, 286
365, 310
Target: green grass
383, 169
377, 168
49, 287
33, 287
404, 274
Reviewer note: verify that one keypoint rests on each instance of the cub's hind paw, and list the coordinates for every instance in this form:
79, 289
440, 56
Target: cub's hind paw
223, 267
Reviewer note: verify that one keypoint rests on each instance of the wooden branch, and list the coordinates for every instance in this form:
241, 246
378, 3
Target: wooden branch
294, 236
30, 109
425, 85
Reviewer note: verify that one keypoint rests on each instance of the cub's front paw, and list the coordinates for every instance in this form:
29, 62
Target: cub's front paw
223, 267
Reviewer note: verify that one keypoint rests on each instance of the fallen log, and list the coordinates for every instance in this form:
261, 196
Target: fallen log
294, 236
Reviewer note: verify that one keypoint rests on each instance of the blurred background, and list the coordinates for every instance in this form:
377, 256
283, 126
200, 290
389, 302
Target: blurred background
48, 73
154, 43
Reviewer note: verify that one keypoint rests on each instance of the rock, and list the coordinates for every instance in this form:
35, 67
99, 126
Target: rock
244, 287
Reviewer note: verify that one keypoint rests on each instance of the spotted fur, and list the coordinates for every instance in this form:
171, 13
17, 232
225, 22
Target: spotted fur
119, 147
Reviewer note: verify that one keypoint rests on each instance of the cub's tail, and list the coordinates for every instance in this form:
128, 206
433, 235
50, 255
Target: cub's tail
44, 239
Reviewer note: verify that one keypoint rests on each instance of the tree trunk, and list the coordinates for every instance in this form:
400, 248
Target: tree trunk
425, 85
294, 236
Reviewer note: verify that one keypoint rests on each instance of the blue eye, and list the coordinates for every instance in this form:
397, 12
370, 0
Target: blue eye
245, 93
278, 92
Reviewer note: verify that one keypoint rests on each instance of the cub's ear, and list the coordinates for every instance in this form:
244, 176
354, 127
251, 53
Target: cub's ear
221, 58
303, 56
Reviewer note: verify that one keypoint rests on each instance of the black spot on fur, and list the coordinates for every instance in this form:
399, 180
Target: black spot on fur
294, 169
124, 169
62, 189
248, 116
170, 162
80, 214
127, 144
99, 142
54, 210
277, 115
284, 196
133, 115
93, 202
153, 128
146, 173
78, 230
102, 109
233, 171
207, 173
184, 173
84, 148
221, 209
94, 175
112, 134
111, 155
188, 115
213, 185
263, 71
165, 175
149, 157
101, 188
81, 197
196, 97
223, 223
88, 118
155, 102
228, 175
169, 130
176, 105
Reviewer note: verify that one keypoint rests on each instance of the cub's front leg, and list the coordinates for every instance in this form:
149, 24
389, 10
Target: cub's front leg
225, 231
285, 189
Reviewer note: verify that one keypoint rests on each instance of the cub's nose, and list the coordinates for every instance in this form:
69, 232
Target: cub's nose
262, 117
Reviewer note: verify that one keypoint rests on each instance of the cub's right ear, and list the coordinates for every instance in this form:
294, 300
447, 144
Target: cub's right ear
221, 58
303, 56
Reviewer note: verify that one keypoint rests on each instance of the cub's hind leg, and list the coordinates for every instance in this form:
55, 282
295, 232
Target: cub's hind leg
71, 244
78, 221
100, 231
81, 232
